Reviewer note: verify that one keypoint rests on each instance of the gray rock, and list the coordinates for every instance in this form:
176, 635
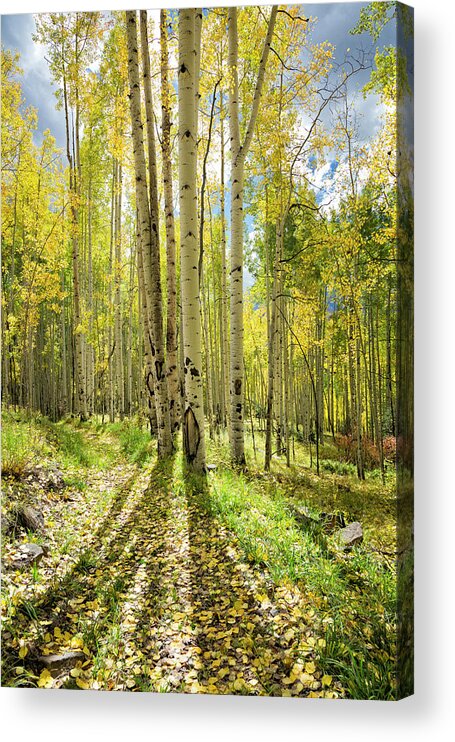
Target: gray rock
351, 535
211, 467
31, 519
48, 476
60, 663
28, 554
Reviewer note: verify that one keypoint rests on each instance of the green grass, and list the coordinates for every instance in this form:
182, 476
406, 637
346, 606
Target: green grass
74, 445
20, 444
135, 443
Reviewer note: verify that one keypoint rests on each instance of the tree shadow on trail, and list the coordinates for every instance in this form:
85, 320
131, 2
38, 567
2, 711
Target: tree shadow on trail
165, 601
104, 572
240, 618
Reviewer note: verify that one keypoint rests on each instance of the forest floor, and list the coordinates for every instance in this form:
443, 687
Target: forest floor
153, 580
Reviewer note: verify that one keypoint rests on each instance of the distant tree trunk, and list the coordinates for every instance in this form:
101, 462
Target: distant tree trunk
148, 372
118, 334
110, 336
224, 331
273, 345
80, 396
193, 417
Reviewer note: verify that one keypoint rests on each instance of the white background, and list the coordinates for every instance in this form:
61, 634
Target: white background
43, 715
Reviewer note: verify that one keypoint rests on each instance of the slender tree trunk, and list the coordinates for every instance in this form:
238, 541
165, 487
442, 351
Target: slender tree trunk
148, 222
171, 318
238, 154
118, 335
224, 330
193, 417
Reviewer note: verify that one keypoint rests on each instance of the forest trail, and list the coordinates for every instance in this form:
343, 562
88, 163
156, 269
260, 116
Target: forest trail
157, 594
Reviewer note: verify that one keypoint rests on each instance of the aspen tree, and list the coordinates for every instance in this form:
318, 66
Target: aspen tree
148, 223
171, 276
193, 416
239, 151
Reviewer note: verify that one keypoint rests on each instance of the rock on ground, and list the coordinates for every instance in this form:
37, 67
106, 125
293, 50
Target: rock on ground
28, 554
351, 535
60, 663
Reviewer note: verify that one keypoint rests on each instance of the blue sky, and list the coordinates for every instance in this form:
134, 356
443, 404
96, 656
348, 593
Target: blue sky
333, 24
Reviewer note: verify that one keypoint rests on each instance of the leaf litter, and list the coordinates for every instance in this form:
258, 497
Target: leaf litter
157, 595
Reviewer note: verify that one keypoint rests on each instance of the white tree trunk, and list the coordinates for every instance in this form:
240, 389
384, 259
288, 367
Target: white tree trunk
150, 247
193, 418
171, 319
238, 155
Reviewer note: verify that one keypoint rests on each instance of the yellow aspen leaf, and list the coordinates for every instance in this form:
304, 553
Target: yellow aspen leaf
45, 680
75, 672
326, 679
310, 668
23, 652
83, 684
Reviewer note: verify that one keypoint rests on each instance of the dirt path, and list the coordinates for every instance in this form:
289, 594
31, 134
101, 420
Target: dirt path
155, 592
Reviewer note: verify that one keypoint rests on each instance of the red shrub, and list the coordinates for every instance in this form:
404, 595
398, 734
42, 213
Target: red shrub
389, 446
347, 446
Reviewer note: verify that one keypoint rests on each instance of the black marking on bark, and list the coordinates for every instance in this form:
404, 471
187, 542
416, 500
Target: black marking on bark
238, 386
187, 361
183, 68
191, 435
158, 370
194, 372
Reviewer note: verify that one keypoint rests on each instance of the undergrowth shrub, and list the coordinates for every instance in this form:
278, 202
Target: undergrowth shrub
15, 450
347, 450
389, 446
